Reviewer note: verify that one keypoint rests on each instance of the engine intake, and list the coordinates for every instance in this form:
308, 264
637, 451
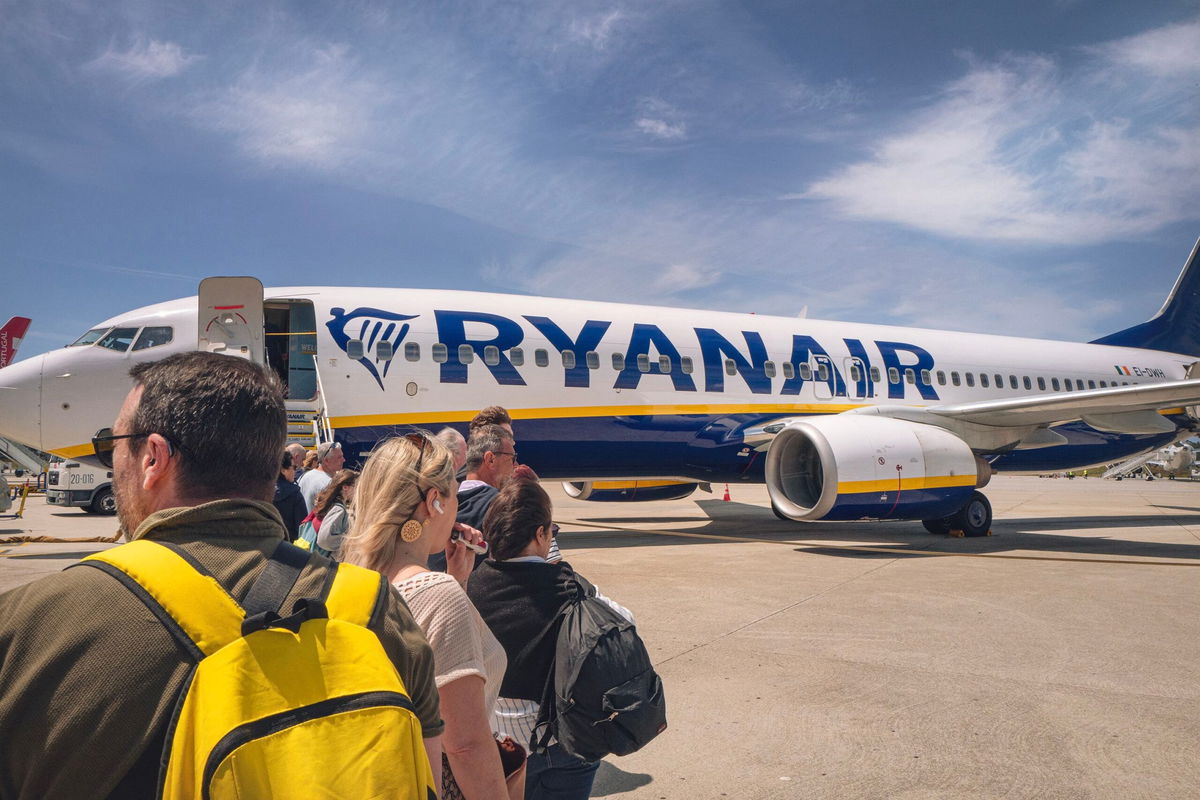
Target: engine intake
857, 466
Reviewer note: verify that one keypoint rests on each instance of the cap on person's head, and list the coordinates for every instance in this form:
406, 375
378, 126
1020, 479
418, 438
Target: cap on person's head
324, 448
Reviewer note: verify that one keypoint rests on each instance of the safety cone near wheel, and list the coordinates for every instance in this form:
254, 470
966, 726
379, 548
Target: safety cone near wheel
726, 497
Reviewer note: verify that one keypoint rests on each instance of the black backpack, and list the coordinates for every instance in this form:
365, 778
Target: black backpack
602, 695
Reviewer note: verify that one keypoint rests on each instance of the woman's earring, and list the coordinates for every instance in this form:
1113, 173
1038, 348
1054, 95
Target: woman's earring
412, 530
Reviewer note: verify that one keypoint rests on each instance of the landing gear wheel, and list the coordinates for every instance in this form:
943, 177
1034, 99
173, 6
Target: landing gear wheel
975, 518
104, 503
939, 526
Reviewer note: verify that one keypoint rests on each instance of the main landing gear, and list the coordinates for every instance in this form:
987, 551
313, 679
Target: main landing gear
973, 519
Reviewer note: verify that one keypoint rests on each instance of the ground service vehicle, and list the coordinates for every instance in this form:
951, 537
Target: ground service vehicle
71, 483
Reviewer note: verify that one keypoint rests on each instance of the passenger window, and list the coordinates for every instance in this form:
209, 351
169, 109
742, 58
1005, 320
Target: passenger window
1091, 384
384, 350
789, 370
568, 359
664, 364
1012, 381
926, 378
412, 351
970, 378
354, 349
955, 379
893, 375
1054, 384
941, 378
1028, 385
1067, 384
541, 357
593, 359
875, 374
1041, 384
491, 355
618, 361
440, 353
823, 372
730, 367
910, 376
769, 369
643, 362
686, 363
1103, 384
983, 380
855, 372
466, 353
999, 381
153, 337
89, 338
517, 356
118, 339
805, 372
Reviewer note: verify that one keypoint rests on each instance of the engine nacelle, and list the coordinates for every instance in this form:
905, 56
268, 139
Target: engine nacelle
857, 466
627, 491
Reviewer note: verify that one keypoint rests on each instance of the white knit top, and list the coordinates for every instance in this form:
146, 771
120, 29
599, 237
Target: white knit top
461, 641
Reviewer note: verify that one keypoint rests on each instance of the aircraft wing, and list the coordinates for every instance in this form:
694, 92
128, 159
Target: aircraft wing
1123, 409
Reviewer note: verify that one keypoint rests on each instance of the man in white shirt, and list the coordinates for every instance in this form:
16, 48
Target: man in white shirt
329, 461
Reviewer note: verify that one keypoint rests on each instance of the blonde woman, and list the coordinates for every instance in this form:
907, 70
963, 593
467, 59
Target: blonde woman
406, 506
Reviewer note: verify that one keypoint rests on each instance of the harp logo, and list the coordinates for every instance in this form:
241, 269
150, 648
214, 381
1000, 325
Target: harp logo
365, 328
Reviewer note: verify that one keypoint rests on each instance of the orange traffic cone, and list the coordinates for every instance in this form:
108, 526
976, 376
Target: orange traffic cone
726, 497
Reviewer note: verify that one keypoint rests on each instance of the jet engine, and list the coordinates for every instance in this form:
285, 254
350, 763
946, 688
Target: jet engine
858, 466
627, 491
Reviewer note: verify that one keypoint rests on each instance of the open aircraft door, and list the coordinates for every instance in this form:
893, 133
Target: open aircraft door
230, 318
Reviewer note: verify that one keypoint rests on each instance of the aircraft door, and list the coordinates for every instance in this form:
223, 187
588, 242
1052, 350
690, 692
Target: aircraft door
230, 317
822, 378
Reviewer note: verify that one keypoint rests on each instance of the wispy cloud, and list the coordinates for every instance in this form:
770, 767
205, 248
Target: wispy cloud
597, 29
1019, 151
143, 61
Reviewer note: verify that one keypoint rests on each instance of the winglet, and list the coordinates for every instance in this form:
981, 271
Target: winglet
1176, 326
10, 338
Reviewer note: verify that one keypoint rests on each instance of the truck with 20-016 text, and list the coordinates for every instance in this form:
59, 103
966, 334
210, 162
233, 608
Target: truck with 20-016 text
70, 483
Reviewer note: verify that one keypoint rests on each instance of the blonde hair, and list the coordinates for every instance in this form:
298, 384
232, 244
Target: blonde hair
387, 495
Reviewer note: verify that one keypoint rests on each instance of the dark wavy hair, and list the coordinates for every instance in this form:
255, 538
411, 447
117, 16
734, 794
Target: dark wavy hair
512, 520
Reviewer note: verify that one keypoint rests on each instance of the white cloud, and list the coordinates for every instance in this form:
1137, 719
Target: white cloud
144, 61
660, 129
660, 120
1019, 151
595, 30
317, 115
1167, 52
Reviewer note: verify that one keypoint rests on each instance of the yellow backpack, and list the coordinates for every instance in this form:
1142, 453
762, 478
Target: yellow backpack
303, 706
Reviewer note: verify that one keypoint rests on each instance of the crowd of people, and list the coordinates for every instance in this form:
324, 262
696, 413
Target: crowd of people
88, 668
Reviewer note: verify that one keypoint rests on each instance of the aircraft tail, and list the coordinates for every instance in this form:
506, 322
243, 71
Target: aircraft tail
1176, 326
10, 338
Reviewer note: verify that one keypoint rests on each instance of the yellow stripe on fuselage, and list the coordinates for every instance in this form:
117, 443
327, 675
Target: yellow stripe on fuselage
905, 484
420, 417
74, 452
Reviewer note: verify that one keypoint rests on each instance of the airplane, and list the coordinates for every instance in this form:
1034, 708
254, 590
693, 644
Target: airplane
10, 338
842, 421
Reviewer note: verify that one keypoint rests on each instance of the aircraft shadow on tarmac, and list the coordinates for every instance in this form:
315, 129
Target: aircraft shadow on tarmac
1090, 536
55, 556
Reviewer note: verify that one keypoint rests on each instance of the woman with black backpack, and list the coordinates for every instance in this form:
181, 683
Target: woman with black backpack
519, 594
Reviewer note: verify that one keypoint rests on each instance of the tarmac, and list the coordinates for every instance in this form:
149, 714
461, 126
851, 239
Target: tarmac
1058, 658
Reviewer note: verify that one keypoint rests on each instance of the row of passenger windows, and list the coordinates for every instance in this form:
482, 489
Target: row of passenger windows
541, 357
120, 339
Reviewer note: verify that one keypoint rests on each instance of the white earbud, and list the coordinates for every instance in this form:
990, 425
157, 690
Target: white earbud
437, 505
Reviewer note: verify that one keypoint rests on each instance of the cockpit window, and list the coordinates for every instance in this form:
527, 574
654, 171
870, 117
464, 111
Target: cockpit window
153, 337
118, 339
89, 338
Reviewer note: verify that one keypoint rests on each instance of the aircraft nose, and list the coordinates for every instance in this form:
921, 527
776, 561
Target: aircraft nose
21, 402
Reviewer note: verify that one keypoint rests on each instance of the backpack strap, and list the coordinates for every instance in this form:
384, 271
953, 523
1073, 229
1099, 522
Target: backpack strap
275, 582
192, 604
355, 594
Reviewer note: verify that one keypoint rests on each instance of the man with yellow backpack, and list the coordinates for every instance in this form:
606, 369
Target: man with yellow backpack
208, 657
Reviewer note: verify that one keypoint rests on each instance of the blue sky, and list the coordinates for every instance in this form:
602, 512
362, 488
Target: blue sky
1019, 168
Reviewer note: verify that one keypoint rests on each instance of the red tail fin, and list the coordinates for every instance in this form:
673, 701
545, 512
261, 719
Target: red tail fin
10, 338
